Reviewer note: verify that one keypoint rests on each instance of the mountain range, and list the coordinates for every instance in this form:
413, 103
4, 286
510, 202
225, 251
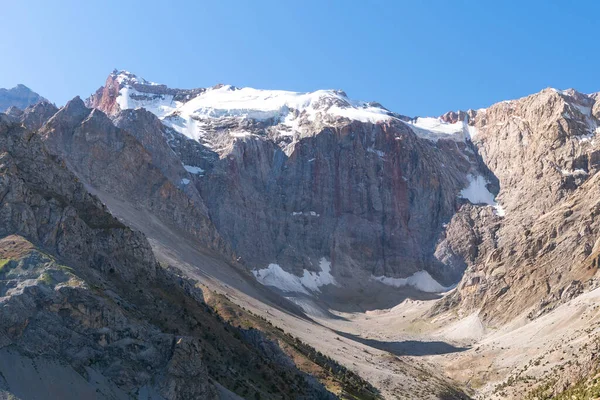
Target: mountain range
230, 242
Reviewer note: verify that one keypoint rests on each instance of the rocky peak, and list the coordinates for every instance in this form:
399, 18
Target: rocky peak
20, 96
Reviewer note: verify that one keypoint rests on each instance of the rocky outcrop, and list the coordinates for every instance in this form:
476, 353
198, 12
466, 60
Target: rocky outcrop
138, 169
371, 198
543, 152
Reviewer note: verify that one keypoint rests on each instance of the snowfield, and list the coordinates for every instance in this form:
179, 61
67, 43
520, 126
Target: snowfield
435, 129
290, 110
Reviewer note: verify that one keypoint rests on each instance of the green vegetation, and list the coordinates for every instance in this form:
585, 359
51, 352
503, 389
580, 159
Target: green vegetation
4, 264
46, 279
336, 378
585, 389
64, 268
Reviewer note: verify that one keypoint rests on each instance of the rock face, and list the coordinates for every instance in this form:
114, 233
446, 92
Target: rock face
543, 150
138, 167
20, 97
87, 312
317, 175
379, 194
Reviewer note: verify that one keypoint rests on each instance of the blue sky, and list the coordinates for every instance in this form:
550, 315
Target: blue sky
416, 58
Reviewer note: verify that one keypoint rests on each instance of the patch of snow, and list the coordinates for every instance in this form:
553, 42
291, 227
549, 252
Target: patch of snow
158, 104
435, 129
420, 280
310, 213
127, 77
314, 280
574, 172
477, 193
228, 101
193, 170
239, 134
185, 181
499, 210
275, 276
282, 107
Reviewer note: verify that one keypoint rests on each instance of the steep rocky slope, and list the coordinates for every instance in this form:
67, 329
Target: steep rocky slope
87, 312
544, 152
135, 167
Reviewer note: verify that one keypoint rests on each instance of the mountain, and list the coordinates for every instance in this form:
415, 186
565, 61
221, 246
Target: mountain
20, 97
361, 252
282, 162
347, 195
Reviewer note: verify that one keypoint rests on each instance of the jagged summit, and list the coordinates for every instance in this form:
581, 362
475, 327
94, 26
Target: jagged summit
20, 96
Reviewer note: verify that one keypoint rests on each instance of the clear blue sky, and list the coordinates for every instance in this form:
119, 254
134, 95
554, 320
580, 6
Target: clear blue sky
417, 58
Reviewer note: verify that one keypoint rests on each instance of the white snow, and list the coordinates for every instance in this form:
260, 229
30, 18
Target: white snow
193, 170
275, 276
185, 181
284, 107
310, 213
420, 280
159, 105
435, 129
477, 193
228, 101
574, 172
128, 77
314, 280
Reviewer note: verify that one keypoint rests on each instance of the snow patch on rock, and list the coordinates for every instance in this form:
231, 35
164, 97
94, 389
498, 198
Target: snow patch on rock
477, 193
193, 170
420, 280
158, 104
310, 281
435, 129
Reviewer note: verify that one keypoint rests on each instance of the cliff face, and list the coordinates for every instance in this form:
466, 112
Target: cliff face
135, 166
543, 150
290, 179
370, 197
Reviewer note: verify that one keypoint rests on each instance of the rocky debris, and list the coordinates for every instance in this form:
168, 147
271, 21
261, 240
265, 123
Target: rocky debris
19, 97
